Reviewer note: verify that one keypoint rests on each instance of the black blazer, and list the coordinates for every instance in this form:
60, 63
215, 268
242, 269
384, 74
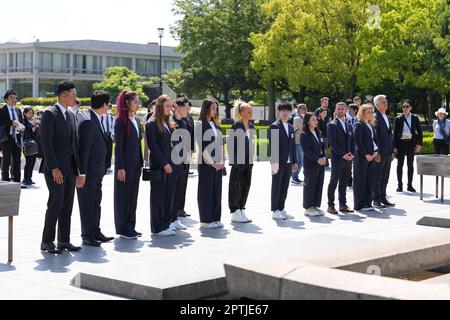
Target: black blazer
384, 136
238, 130
128, 152
203, 143
312, 149
6, 121
340, 141
363, 140
160, 145
416, 130
286, 143
28, 134
93, 146
59, 141
191, 127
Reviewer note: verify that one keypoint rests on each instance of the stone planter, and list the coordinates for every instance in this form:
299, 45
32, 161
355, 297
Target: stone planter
9, 207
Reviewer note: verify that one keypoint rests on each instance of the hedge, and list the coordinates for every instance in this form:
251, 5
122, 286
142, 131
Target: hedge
47, 102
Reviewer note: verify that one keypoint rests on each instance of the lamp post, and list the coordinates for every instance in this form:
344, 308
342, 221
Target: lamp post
160, 35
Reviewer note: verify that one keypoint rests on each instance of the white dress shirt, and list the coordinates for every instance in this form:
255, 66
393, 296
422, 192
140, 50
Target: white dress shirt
213, 126
407, 134
375, 147
343, 125
134, 122
386, 119
63, 110
11, 110
286, 128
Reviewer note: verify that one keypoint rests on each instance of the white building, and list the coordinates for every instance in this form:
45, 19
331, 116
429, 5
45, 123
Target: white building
33, 69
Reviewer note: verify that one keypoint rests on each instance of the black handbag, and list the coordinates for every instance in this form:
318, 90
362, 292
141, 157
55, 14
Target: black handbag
30, 148
151, 175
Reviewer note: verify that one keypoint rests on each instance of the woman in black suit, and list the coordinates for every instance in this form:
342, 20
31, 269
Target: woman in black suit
163, 209
240, 153
210, 167
29, 134
314, 165
128, 165
365, 159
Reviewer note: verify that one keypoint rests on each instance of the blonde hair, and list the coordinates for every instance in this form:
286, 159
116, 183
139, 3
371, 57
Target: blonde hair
362, 114
239, 107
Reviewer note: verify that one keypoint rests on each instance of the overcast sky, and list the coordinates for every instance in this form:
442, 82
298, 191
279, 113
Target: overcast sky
133, 21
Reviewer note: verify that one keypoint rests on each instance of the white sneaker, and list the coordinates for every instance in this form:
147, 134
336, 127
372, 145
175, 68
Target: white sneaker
286, 215
219, 224
172, 226
166, 233
311, 212
319, 211
277, 215
245, 217
211, 225
179, 225
368, 209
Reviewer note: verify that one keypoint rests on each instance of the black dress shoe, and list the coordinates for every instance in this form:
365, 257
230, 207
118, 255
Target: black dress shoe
50, 248
138, 234
68, 246
387, 203
91, 243
400, 189
378, 205
411, 189
102, 238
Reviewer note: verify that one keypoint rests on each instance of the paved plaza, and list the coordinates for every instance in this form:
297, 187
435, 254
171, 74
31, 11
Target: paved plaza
197, 255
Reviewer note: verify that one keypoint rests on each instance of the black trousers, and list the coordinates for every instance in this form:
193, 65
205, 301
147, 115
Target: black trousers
89, 201
29, 167
440, 147
180, 196
163, 210
59, 208
11, 157
341, 172
382, 172
313, 185
280, 186
125, 200
109, 149
363, 182
405, 149
209, 194
239, 186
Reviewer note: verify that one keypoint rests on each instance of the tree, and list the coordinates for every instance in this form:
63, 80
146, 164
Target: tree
214, 36
121, 78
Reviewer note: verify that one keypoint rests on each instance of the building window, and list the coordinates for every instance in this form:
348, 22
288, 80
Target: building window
171, 65
119, 62
54, 62
2, 88
84, 64
147, 67
21, 62
23, 87
3, 63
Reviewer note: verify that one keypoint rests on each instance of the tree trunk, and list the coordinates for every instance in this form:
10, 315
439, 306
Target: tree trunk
429, 105
271, 99
447, 102
226, 101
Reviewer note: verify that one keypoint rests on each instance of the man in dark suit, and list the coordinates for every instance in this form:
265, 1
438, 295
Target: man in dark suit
340, 137
11, 121
108, 125
93, 158
383, 130
408, 139
283, 160
60, 166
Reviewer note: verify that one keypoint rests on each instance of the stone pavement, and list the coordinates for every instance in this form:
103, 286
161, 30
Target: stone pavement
196, 255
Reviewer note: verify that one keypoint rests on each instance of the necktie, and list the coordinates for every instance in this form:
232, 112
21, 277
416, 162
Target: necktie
13, 130
107, 125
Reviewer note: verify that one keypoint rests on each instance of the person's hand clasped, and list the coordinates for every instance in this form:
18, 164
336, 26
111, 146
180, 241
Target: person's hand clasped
322, 161
168, 169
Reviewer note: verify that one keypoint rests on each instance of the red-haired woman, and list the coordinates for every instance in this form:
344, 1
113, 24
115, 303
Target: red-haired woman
128, 166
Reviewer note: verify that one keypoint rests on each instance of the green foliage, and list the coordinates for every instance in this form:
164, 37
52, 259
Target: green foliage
46, 102
175, 80
118, 79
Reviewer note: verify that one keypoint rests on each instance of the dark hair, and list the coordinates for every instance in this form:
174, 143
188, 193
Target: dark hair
348, 102
9, 93
64, 86
308, 117
26, 110
181, 101
99, 98
353, 107
206, 111
285, 105
182, 95
322, 110
408, 101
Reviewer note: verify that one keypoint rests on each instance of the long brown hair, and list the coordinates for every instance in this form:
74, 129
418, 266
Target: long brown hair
159, 115
205, 111
122, 106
